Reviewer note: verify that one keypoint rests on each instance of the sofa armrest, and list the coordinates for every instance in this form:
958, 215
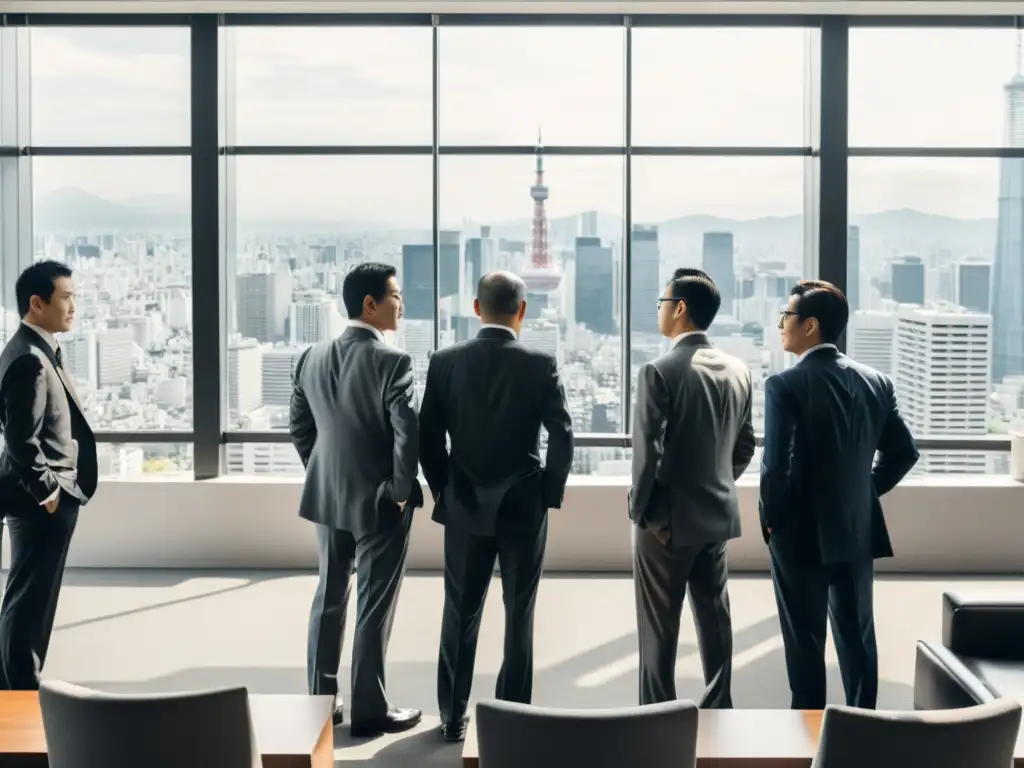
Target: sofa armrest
983, 628
942, 681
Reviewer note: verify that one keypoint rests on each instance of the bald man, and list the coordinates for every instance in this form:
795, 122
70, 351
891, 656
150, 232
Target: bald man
491, 395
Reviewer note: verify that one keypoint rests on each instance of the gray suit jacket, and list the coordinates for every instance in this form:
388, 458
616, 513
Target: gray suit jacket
354, 425
692, 439
47, 441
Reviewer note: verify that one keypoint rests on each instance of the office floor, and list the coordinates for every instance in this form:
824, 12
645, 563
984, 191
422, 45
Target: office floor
170, 630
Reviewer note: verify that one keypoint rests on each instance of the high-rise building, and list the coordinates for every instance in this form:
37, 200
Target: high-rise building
1008, 270
417, 280
262, 301
871, 339
115, 356
645, 282
853, 267
449, 256
595, 298
718, 263
972, 285
314, 318
589, 224
908, 280
245, 377
278, 366
942, 363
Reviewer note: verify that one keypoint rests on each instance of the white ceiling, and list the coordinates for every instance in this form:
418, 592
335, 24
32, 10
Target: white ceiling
856, 7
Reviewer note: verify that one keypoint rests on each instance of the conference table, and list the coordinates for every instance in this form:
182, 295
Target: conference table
746, 738
291, 731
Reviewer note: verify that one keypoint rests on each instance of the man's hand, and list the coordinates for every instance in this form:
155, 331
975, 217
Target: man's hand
51, 505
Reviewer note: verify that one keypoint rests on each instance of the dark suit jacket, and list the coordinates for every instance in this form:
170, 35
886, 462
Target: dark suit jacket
491, 395
354, 426
692, 438
47, 441
824, 420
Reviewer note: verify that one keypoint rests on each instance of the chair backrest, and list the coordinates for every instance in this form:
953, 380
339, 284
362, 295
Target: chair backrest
653, 736
205, 729
973, 737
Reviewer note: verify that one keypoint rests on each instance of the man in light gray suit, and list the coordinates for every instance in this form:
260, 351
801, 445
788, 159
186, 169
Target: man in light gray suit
692, 438
354, 426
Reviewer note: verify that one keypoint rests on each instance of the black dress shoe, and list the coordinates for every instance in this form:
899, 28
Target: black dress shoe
455, 731
338, 716
395, 721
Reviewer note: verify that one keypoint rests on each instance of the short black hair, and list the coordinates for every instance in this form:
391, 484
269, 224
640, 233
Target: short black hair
826, 304
40, 280
367, 279
698, 290
500, 294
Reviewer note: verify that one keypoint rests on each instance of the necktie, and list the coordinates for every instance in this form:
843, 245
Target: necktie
60, 357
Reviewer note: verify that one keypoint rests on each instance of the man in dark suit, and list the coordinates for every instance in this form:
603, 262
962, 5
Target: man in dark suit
48, 468
354, 426
692, 438
492, 493
825, 418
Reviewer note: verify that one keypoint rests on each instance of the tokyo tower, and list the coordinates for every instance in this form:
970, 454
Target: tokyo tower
541, 275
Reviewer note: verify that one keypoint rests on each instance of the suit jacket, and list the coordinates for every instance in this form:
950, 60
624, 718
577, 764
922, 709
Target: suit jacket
825, 418
48, 443
692, 438
353, 424
491, 395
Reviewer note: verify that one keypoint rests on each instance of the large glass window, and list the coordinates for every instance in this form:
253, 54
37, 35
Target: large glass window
934, 263
106, 86
122, 224
932, 87
738, 218
720, 87
501, 85
557, 222
341, 85
300, 223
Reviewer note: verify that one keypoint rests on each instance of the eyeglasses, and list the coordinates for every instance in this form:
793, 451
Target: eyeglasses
662, 300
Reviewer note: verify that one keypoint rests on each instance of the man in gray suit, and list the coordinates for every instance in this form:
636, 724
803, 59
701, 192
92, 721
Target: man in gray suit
48, 468
355, 428
692, 438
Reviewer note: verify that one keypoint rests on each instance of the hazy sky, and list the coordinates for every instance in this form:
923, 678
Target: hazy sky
372, 86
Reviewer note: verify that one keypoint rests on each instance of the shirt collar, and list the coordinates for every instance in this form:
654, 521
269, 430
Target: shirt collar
815, 348
367, 327
504, 328
48, 337
683, 335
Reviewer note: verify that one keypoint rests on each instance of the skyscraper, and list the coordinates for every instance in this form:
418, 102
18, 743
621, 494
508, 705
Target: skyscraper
417, 280
718, 263
645, 282
595, 300
972, 285
1008, 285
908, 280
448, 255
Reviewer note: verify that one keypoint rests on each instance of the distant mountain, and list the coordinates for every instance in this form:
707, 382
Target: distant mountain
71, 209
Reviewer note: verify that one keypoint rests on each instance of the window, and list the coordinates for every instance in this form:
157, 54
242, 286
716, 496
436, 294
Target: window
741, 220
132, 460
500, 85
494, 213
342, 85
300, 223
96, 86
122, 224
720, 87
937, 283
932, 87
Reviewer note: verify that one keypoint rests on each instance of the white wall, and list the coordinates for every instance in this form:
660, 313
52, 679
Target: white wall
954, 525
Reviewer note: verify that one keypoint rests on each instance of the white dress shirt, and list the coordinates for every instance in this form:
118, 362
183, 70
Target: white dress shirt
50, 339
683, 335
504, 328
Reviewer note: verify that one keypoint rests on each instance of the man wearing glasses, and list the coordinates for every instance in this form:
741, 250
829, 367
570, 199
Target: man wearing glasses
355, 428
692, 438
825, 418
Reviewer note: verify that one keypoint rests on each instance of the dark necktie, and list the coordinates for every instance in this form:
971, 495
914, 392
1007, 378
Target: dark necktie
59, 354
